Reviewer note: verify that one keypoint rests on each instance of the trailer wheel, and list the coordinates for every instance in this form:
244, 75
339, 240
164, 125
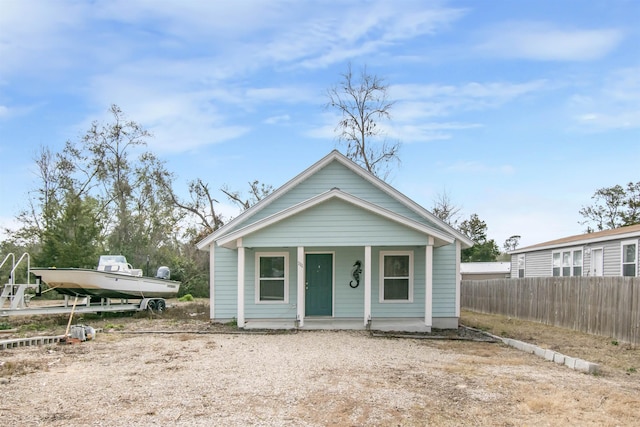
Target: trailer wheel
151, 305
161, 306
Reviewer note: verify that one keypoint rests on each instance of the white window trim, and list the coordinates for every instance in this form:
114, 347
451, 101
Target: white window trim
622, 245
571, 251
286, 276
381, 278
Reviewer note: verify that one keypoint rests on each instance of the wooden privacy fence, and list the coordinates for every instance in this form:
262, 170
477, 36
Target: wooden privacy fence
607, 306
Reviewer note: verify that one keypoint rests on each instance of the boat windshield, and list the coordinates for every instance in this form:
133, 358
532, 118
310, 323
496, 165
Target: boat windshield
112, 259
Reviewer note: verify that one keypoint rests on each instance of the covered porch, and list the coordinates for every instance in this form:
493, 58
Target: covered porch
356, 309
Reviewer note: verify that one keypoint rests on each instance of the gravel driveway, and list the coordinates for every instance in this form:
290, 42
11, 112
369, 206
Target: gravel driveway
300, 379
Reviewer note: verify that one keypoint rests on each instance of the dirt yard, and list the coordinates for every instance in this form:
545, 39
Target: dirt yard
179, 369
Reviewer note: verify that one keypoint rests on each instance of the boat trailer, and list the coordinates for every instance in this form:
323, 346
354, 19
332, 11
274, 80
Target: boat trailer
14, 299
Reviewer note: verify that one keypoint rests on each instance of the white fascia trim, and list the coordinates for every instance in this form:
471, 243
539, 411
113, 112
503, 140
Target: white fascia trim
391, 191
273, 196
331, 194
334, 155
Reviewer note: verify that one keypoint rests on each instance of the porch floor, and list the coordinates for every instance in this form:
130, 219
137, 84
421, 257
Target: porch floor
334, 323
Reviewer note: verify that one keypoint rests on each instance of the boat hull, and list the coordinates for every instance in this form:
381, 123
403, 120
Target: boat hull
84, 282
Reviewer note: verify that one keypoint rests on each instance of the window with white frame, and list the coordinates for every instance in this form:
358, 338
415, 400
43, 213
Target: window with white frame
396, 276
272, 278
521, 265
567, 262
630, 258
576, 267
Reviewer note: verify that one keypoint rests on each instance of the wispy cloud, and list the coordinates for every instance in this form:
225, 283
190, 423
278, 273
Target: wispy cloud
182, 70
424, 132
420, 109
471, 166
440, 100
547, 42
613, 104
180, 119
361, 32
274, 120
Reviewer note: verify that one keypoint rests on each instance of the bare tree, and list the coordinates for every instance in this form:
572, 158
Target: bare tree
363, 103
257, 192
202, 205
444, 209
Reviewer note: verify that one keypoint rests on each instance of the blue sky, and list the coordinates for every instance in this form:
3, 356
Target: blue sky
518, 110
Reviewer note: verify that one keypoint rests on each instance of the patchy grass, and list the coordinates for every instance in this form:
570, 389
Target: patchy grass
614, 357
4, 326
15, 368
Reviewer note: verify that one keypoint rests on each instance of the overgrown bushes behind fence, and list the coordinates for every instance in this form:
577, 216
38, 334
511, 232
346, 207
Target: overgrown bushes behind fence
607, 306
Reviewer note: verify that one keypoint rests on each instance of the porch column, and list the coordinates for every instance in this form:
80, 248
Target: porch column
300, 286
428, 294
458, 257
367, 284
240, 314
212, 282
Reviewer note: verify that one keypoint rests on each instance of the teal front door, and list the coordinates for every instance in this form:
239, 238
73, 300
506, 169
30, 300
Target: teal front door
319, 285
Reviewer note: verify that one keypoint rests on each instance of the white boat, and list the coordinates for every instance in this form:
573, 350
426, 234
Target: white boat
114, 278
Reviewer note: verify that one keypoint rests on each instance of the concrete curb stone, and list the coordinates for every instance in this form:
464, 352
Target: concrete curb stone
550, 355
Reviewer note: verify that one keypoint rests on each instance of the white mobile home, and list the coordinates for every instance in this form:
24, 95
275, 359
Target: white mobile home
603, 253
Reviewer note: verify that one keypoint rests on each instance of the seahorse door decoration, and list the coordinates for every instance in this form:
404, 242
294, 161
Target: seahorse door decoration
356, 271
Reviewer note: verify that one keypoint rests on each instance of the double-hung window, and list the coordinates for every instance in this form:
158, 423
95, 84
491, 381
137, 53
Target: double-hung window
630, 258
272, 277
521, 265
576, 267
396, 276
567, 262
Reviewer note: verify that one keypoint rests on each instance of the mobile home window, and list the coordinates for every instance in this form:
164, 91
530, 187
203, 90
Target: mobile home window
396, 277
521, 265
577, 263
567, 263
629, 258
272, 278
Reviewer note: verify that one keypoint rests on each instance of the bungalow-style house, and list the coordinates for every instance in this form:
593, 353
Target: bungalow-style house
603, 253
485, 270
336, 247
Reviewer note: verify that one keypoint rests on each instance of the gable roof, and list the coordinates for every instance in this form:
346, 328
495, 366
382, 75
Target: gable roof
335, 155
630, 231
230, 239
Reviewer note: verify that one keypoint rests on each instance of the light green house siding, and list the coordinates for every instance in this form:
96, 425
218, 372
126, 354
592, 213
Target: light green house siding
399, 309
335, 223
444, 281
270, 310
336, 175
351, 300
336, 208
225, 298
342, 229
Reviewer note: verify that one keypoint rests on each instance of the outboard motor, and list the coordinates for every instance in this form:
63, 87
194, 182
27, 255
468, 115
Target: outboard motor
163, 273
